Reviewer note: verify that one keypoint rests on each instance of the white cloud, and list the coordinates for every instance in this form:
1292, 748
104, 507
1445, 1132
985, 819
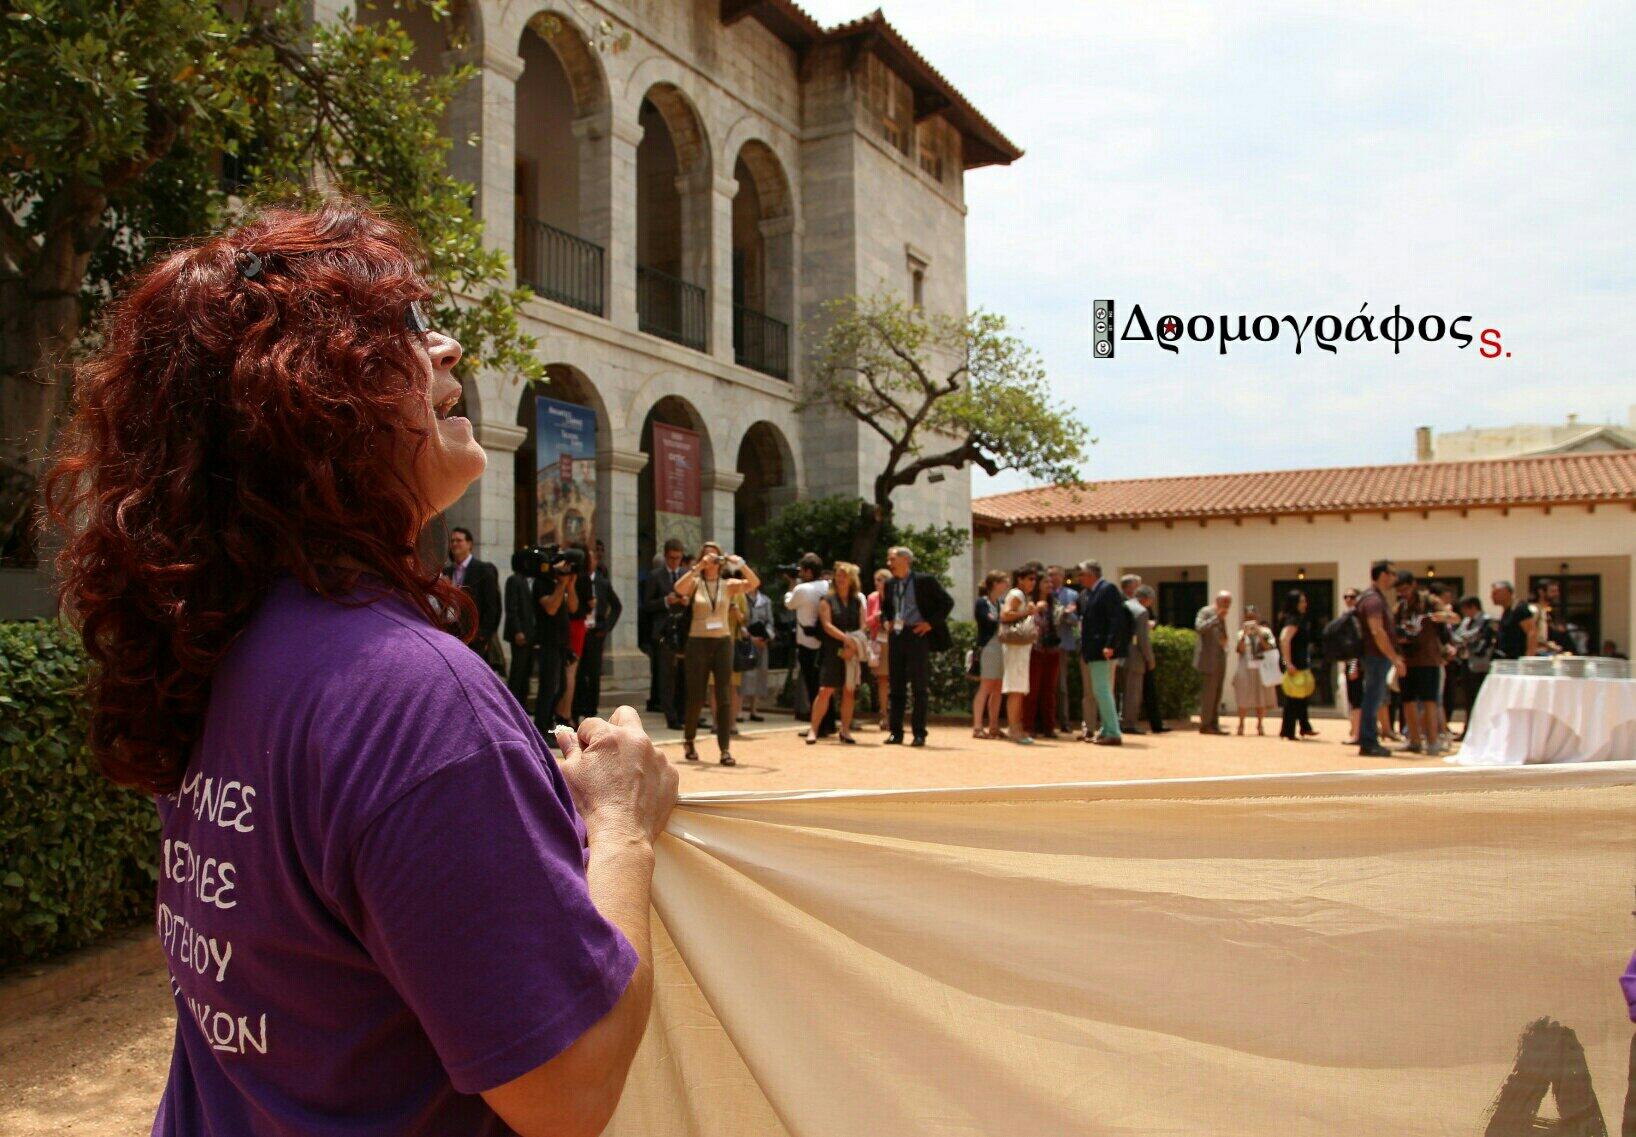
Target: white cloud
1211, 159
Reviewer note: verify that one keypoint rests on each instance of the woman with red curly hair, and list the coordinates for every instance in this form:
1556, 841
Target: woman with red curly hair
382, 911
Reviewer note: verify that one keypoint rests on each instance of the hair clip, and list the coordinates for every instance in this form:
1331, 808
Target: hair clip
249, 265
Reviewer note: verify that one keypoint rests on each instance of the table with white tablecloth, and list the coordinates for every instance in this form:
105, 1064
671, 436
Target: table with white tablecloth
1522, 719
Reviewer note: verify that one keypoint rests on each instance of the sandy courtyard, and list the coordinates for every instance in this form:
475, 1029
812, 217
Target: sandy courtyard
97, 1065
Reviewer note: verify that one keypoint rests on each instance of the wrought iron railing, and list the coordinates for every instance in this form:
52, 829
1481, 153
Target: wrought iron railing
761, 342
670, 308
560, 266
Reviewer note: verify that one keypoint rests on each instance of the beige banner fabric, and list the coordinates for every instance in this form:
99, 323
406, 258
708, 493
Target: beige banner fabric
1407, 952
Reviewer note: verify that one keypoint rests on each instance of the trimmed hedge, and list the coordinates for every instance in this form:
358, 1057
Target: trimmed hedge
1179, 685
78, 855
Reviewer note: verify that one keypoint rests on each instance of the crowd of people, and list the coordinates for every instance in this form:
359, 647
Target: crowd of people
1414, 655
555, 618
707, 623
1424, 653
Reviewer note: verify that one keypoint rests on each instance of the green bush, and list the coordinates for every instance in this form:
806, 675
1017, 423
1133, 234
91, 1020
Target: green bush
78, 855
951, 691
1179, 685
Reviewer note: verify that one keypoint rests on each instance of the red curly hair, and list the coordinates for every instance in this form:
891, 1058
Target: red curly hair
245, 416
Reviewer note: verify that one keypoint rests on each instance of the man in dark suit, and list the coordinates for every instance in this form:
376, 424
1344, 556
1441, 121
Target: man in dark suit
1104, 636
916, 608
479, 580
603, 613
519, 629
659, 601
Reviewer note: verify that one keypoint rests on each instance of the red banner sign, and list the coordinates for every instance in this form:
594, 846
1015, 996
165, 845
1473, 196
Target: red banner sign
676, 471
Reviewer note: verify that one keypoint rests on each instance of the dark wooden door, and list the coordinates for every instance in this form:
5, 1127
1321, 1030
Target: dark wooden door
1180, 601
1581, 603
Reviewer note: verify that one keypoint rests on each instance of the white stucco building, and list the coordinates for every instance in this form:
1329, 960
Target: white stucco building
684, 184
1571, 517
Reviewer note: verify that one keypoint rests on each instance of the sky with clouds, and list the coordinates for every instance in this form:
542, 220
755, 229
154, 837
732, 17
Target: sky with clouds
1268, 158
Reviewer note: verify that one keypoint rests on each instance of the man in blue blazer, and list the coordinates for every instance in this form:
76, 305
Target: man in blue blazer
1104, 636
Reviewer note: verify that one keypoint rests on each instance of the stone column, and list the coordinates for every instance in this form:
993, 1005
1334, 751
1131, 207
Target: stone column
720, 267
780, 237
696, 223
617, 472
720, 489
487, 108
607, 204
488, 507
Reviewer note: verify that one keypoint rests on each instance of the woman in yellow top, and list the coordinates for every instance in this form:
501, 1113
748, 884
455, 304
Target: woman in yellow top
709, 651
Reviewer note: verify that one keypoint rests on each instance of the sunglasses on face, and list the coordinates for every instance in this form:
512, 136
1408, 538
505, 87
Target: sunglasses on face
415, 320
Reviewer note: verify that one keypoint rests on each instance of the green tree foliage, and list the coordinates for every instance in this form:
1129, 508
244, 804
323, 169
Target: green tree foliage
117, 120
829, 527
942, 392
78, 855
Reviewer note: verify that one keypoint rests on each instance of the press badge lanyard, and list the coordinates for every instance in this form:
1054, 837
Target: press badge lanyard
712, 622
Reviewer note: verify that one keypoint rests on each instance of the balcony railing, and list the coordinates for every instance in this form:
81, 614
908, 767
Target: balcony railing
560, 266
761, 342
670, 308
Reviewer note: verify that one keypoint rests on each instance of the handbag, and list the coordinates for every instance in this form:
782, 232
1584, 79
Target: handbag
1298, 683
1268, 666
1019, 634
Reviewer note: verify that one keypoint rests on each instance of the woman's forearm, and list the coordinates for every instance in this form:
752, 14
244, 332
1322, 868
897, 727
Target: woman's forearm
578, 1090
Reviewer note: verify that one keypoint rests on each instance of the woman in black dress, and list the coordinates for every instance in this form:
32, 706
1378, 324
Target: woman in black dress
1295, 651
840, 617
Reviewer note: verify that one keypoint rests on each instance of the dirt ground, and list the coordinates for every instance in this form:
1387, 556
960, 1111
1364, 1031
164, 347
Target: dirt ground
97, 1065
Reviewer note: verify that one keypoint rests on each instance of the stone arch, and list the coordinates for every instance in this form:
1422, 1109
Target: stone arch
674, 189
685, 124
766, 462
570, 43
766, 172
677, 410
561, 192
568, 384
763, 267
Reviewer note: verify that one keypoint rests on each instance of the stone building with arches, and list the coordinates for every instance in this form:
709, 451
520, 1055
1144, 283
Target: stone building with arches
683, 204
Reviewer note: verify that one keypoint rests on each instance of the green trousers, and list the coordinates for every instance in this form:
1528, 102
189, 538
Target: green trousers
1101, 673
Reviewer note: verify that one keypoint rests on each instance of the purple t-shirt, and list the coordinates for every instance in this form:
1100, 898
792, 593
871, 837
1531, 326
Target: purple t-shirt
372, 889
1627, 982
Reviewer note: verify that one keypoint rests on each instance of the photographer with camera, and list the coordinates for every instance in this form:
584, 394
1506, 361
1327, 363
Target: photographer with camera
708, 593
557, 597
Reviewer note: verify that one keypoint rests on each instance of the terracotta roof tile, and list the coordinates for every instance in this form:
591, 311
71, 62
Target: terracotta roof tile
1554, 478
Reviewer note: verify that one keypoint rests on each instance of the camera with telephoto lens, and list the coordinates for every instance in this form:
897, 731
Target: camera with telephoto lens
542, 560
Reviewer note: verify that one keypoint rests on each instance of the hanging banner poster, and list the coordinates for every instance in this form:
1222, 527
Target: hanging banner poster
564, 473
677, 493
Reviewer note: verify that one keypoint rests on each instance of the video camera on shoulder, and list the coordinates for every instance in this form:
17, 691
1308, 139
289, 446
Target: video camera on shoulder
544, 560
